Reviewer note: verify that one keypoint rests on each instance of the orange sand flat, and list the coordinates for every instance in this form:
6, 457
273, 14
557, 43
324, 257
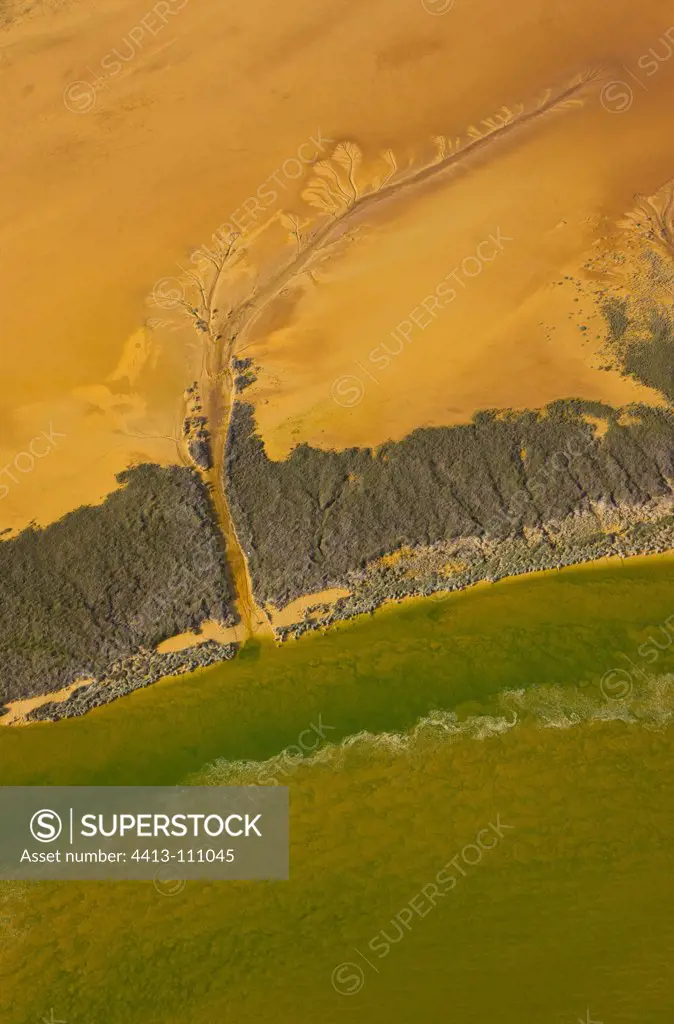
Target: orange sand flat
19, 709
111, 179
365, 351
210, 630
294, 612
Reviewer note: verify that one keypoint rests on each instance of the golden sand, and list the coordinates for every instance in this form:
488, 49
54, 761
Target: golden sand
209, 630
118, 169
19, 709
470, 297
294, 612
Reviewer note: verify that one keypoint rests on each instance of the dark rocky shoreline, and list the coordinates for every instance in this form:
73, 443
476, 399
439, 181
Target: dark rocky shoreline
109, 580
134, 673
443, 509
310, 521
419, 573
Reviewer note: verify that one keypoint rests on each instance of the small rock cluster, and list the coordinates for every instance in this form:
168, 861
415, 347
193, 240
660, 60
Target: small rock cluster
198, 441
245, 376
195, 432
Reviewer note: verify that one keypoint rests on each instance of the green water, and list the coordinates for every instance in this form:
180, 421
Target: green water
381, 672
571, 909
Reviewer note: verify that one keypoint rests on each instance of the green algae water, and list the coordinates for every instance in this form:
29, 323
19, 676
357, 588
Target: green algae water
539, 708
380, 672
